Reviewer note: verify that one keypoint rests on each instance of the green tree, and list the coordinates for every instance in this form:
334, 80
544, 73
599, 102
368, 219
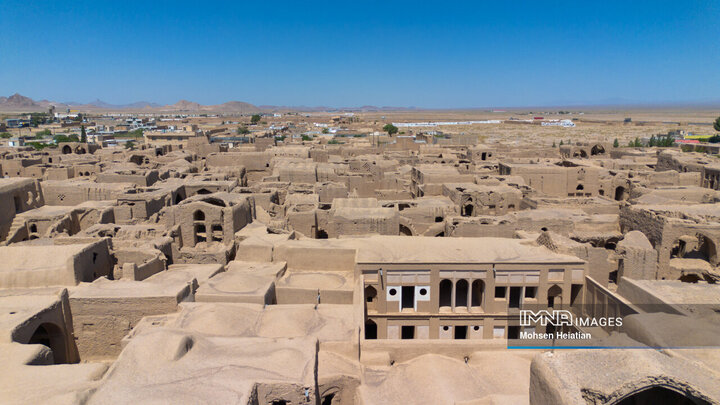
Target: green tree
390, 129
130, 145
325, 131
242, 130
667, 141
255, 119
83, 134
138, 133
5, 135
306, 138
651, 142
554, 144
65, 138
716, 124
561, 142
42, 134
616, 143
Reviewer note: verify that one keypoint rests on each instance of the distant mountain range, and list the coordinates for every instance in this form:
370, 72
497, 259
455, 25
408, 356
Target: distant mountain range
20, 103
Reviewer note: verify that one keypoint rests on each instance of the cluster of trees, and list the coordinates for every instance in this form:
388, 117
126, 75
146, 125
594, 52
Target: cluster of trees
137, 133
662, 141
635, 143
42, 134
255, 119
64, 138
243, 130
390, 129
39, 118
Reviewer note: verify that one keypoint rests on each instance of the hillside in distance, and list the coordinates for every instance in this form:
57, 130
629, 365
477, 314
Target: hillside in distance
18, 103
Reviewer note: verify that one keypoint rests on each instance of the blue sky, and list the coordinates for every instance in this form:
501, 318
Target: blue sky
435, 54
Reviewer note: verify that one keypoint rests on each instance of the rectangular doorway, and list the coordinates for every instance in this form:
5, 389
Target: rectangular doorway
408, 297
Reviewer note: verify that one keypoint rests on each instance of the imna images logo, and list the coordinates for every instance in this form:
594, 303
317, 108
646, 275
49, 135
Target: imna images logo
564, 317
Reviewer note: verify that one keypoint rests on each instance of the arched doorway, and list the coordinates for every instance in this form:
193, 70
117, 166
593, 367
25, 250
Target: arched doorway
620, 193
446, 293
597, 150
370, 298
468, 208
50, 335
461, 293
478, 289
404, 230
660, 395
554, 297
580, 153
370, 329
695, 247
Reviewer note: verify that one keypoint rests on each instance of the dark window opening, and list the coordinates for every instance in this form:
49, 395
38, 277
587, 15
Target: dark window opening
198, 216
322, 234
513, 332
18, 203
460, 332
446, 293
478, 288
438, 219
530, 292
408, 297
554, 296
327, 399
408, 332
370, 330
690, 278
217, 233
575, 290
204, 191
370, 293
200, 233
515, 293
461, 293
467, 210
500, 292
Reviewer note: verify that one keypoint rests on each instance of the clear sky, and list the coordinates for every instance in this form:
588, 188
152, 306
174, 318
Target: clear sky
444, 54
